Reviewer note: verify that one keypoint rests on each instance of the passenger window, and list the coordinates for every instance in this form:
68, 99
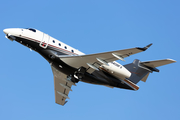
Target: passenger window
59, 44
53, 41
65, 47
72, 51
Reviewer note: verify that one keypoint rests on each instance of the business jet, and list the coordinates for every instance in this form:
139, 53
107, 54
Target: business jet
69, 65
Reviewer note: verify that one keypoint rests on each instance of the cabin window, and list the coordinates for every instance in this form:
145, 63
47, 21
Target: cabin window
72, 51
59, 44
53, 41
65, 47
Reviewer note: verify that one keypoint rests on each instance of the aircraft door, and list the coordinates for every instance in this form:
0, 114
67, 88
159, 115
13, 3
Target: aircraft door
45, 40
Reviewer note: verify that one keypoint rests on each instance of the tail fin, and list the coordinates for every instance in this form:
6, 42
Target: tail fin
140, 70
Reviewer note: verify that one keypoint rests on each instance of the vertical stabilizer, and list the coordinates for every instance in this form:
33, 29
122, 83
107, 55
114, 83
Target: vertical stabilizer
138, 71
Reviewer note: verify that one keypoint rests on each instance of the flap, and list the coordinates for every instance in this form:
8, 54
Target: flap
61, 86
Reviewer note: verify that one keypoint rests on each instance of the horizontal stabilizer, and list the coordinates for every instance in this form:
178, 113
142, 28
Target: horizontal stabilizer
158, 63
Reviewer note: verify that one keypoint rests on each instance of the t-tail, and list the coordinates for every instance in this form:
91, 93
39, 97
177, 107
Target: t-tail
140, 70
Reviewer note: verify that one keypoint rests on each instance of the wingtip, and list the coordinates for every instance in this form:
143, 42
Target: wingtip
173, 61
149, 45
145, 48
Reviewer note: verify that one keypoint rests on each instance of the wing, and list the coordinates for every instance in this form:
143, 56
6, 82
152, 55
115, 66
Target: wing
95, 60
62, 86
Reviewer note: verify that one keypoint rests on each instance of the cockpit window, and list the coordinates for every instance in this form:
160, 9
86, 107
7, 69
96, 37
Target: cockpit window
31, 29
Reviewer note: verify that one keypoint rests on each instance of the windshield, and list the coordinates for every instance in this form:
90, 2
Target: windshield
31, 29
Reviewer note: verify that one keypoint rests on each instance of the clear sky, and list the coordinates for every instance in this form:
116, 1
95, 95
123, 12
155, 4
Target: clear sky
92, 26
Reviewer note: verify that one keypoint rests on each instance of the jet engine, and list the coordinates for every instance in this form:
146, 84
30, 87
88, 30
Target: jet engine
116, 69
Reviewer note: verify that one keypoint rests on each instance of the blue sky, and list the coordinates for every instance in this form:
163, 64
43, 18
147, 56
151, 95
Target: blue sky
26, 80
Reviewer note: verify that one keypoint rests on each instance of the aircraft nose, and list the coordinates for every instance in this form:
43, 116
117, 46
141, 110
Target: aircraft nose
6, 31
12, 31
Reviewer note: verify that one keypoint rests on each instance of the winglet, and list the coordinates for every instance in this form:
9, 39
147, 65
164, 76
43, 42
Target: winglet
145, 48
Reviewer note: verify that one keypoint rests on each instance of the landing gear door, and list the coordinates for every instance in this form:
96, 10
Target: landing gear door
45, 40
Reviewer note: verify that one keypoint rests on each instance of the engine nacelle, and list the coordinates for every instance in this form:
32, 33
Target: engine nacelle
116, 69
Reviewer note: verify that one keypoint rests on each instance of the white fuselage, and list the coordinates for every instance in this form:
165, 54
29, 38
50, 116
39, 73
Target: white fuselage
44, 40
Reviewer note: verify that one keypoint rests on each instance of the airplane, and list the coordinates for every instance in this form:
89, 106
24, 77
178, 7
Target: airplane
69, 65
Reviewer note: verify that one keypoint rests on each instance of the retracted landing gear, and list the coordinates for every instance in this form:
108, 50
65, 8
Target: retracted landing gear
78, 75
